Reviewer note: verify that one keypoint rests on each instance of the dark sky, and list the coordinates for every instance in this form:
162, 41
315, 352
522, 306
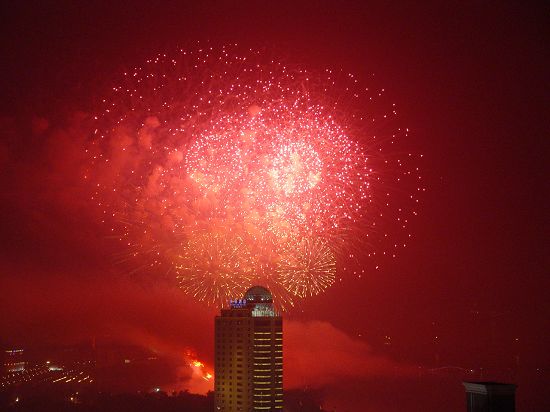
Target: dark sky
470, 80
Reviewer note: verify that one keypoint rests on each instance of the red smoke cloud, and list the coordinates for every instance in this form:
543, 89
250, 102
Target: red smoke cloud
317, 354
58, 309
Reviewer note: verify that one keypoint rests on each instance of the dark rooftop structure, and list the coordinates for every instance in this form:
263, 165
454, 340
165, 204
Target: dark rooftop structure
490, 397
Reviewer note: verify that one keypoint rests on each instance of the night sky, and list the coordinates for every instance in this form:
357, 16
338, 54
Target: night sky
470, 81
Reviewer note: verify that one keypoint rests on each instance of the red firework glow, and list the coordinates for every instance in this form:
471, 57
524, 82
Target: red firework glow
228, 171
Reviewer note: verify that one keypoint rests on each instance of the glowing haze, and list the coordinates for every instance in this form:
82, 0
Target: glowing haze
225, 169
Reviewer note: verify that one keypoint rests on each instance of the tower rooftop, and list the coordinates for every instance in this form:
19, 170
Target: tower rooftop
258, 294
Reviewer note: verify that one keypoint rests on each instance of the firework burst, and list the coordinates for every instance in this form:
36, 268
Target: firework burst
214, 266
307, 268
211, 163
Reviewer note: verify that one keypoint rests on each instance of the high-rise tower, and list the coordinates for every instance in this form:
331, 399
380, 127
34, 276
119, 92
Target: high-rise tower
248, 365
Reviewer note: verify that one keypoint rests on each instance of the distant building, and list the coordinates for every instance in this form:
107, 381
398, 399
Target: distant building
248, 368
490, 397
14, 360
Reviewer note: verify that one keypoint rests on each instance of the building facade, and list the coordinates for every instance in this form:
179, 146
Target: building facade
14, 361
248, 369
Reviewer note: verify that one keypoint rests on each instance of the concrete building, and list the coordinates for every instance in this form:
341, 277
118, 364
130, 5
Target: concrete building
248, 367
14, 360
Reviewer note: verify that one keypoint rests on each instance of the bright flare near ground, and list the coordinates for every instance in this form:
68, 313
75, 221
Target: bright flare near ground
226, 169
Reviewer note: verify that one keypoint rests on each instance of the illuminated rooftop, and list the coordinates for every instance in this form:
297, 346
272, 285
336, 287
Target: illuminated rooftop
258, 294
